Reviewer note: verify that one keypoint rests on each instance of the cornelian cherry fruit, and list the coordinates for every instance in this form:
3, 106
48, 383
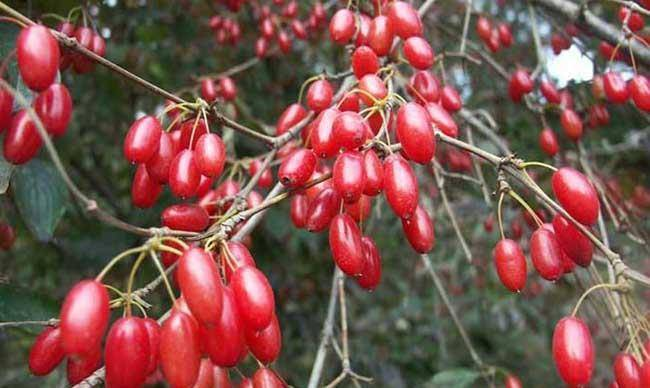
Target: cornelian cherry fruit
510, 263
573, 351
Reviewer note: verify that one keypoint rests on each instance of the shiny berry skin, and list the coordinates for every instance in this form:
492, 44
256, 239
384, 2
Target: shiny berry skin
415, 133
227, 88
374, 182
80, 63
349, 103
418, 53
364, 61
419, 231
373, 86
513, 381
184, 175
342, 26
190, 132
615, 87
180, 353
450, 99
573, 351
208, 90
80, 367
266, 378
261, 47
359, 210
210, 155
319, 95
200, 283
205, 377
158, 164
22, 141
296, 168
483, 28
298, 29
126, 354
634, 21
265, 344
576, 194
322, 140
348, 176
284, 42
38, 57
46, 352
142, 139
188, 217
510, 263
575, 244
345, 245
380, 35
254, 297
349, 130
291, 116
241, 257
144, 190
363, 30
627, 371
505, 36
640, 91
54, 107
298, 210
572, 124
322, 209
370, 276
424, 87
6, 105
153, 336
546, 254
645, 373
548, 142
550, 92
225, 340
84, 317
400, 186
441, 119
404, 19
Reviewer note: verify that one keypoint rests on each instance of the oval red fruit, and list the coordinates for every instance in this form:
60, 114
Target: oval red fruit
46, 352
200, 283
54, 108
400, 186
126, 354
546, 254
345, 245
254, 297
576, 194
180, 353
415, 133
510, 264
419, 231
296, 168
142, 139
84, 317
573, 351
38, 56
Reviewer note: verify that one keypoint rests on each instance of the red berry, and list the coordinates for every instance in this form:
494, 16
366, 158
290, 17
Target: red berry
142, 140
225, 340
364, 61
505, 36
576, 194
22, 141
342, 26
572, 124
38, 57
424, 87
210, 155
575, 244
284, 42
227, 88
348, 176
80, 367
510, 263
635, 22
349, 103
441, 119
261, 47
265, 344
153, 336
640, 91
627, 371
548, 142
322, 209
419, 231
450, 99
483, 28
415, 133
513, 381
298, 29
363, 30
296, 168
645, 374
615, 87
323, 141
208, 89
184, 175
359, 210
418, 53
84, 317
373, 86
550, 92
573, 351
291, 116
6, 106
206, 375
46, 352
54, 108
400, 186
200, 283
81, 63
546, 254
188, 217
345, 244
349, 130
254, 297
266, 378
144, 190
299, 208
374, 182
126, 355
180, 353
241, 257
158, 164
319, 95
380, 35
404, 19
371, 274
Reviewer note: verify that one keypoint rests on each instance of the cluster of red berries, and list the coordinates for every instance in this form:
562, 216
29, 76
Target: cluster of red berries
555, 248
226, 30
275, 25
494, 37
87, 38
224, 89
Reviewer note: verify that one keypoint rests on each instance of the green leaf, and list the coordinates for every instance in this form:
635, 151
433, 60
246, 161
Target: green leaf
41, 197
458, 378
6, 169
23, 305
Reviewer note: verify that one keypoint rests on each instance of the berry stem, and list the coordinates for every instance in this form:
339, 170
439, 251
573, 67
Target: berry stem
593, 288
116, 259
129, 286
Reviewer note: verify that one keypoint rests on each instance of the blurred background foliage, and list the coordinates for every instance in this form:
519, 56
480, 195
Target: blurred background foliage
401, 334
